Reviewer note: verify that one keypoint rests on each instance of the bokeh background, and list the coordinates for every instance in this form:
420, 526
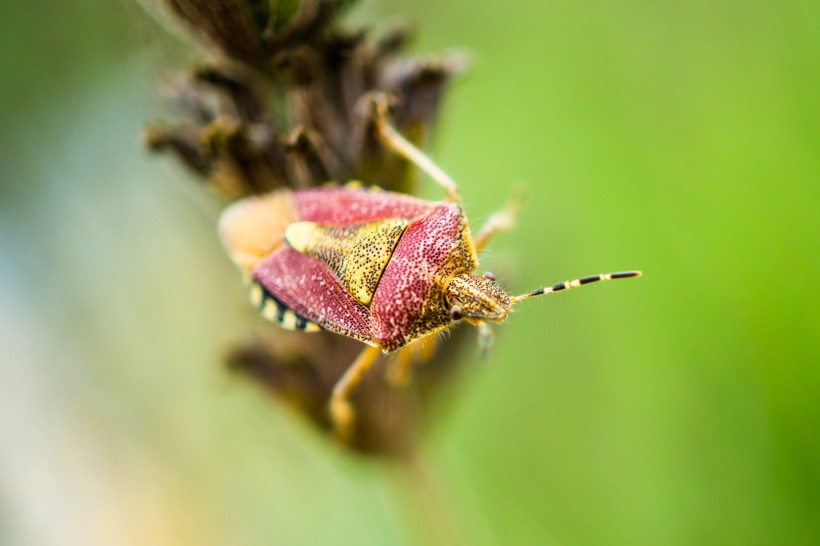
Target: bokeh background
681, 138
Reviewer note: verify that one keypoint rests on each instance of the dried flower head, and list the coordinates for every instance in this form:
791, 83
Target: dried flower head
285, 104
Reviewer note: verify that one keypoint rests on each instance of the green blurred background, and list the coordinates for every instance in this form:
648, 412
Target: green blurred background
681, 138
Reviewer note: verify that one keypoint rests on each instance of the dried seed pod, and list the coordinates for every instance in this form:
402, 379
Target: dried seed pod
227, 24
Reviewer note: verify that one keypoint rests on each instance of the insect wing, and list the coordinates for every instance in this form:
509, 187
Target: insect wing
311, 290
356, 253
409, 302
342, 206
251, 229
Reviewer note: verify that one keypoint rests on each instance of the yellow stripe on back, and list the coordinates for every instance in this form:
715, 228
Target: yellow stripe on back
356, 253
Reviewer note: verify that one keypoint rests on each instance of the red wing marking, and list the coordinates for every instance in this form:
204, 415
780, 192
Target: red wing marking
356, 253
407, 280
341, 206
312, 291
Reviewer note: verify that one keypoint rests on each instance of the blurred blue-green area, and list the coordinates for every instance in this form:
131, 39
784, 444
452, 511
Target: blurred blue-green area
682, 139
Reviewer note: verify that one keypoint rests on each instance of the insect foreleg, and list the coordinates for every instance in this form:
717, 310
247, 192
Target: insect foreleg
502, 220
396, 142
342, 415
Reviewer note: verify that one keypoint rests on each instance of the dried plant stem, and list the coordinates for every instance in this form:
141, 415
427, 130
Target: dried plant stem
425, 501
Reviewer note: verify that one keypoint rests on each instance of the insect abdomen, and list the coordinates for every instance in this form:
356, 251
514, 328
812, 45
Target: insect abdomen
254, 227
276, 311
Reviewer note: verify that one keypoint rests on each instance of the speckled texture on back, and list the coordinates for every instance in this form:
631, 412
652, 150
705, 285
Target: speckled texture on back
340, 206
356, 253
409, 302
310, 288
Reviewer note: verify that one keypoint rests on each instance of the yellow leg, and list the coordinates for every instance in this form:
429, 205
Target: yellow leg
423, 350
342, 415
395, 141
400, 371
401, 368
503, 220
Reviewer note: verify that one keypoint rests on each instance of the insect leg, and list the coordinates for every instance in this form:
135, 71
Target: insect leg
486, 338
395, 141
502, 220
423, 350
342, 415
400, 369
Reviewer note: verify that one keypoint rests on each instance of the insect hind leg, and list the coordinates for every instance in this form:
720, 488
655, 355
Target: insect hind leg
390, 137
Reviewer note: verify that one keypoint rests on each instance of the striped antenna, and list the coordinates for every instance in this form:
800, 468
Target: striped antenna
577, 282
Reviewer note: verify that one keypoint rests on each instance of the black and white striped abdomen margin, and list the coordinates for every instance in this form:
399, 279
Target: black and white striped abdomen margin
276, 311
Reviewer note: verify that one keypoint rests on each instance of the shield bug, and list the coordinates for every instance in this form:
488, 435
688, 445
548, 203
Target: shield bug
384, 268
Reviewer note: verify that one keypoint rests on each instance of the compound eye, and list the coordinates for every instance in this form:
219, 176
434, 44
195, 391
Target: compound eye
489, 276
455, 313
